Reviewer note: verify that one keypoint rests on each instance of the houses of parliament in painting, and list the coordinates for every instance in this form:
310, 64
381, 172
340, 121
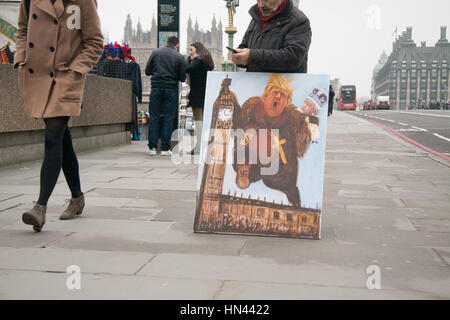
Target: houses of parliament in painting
144, 42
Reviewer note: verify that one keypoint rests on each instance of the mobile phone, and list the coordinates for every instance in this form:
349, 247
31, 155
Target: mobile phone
232, 50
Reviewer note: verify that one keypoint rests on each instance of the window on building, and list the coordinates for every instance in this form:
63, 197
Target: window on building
304, 219
260, 212
402, 104
444, 73
289, 217
433, 95
413, 64
433, 84
434, 73
423, 97
276, 215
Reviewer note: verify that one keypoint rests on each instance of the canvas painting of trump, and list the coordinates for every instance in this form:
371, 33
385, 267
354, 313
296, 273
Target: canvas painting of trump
262, 155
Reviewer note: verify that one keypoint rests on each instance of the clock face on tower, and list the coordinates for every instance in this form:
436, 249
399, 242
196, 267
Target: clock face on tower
225, 114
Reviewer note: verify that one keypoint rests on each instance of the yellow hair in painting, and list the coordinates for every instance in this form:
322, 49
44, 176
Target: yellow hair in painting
277, 80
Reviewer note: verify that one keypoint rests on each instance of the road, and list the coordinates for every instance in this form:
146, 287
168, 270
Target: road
428, 128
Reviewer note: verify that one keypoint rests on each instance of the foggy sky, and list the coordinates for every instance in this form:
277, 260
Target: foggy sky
348, 39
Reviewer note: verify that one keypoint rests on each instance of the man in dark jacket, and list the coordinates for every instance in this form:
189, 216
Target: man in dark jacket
331, 101
277, 39
167, 67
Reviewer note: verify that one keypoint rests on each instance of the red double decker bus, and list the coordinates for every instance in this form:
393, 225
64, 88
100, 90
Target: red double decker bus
347, 98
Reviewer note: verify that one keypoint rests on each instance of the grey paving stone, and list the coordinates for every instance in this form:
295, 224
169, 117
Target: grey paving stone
30, 285
84, 225
426, 203
339, 252
152, 184
27, 238
244, 290
444, 254
185, 214
170, 241
129, 213
333, 209
367, 202
374, 210
426, 213
432, 225
434, 281
170, 199
7, 196
251, 269
57, 260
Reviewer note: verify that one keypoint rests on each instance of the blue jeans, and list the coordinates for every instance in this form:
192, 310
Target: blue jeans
163, 102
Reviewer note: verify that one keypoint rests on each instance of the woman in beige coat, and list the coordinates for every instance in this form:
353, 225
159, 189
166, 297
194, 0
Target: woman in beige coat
58, 43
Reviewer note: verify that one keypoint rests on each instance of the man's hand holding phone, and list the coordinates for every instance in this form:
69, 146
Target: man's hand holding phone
240, 56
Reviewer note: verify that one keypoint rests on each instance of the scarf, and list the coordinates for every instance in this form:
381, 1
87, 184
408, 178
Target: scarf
266, 20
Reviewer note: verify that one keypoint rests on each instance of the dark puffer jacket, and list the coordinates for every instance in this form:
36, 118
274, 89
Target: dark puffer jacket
283, 44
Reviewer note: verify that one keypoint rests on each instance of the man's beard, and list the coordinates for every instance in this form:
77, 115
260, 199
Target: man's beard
265, 11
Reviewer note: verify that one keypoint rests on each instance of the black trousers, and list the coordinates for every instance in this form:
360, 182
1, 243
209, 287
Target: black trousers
59, 153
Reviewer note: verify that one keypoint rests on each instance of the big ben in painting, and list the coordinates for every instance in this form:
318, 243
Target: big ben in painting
214, 169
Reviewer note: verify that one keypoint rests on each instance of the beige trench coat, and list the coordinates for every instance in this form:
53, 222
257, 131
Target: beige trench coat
55, 49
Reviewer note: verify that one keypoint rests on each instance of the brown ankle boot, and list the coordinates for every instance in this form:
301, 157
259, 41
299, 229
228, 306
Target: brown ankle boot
35, 217
74, 209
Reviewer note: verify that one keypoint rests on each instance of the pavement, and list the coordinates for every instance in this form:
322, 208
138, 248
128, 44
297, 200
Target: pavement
386, 208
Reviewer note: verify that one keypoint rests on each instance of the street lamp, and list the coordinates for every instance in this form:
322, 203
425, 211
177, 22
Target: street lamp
231, 31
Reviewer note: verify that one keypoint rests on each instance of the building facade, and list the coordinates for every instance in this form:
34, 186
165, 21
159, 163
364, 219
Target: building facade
415, 76
381, 62
143, 43
211, 39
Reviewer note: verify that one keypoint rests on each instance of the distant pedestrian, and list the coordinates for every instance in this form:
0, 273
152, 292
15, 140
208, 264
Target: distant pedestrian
198, 63
167, 67
277, 39
53, 56
331, 101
